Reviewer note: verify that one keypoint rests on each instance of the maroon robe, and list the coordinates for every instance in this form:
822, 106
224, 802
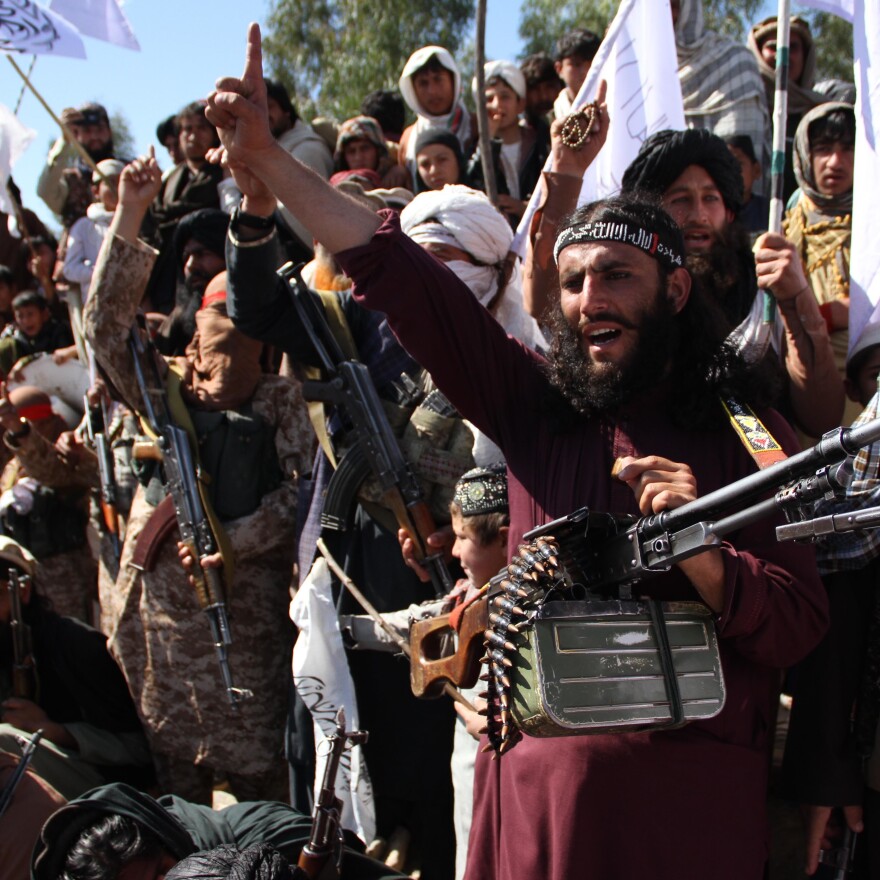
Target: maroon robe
679, 804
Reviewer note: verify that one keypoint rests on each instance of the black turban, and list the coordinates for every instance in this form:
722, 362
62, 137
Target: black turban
664, 156
207, 226
258, 862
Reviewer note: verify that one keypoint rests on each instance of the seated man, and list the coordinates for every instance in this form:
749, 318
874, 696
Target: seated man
114, 828
634, 375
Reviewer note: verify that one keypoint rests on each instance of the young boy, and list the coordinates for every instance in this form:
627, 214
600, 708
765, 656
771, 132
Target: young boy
518, 152
575, 52
431, 86
87, 234
480, 522
755, 211
34, 330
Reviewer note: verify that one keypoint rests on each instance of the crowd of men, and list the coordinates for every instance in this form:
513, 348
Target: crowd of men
601, 370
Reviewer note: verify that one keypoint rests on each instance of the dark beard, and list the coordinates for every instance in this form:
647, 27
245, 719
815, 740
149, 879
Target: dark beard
590, 388
726, 273
105, 152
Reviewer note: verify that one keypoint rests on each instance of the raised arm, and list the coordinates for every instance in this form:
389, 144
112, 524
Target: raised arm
238, 109
815, 383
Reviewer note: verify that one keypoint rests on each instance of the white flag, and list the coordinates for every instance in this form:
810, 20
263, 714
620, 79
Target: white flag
28, 28
637, 59
14, 140
101, 19
843, 8
322, 679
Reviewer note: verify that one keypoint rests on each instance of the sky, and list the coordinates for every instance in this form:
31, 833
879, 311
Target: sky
185, 46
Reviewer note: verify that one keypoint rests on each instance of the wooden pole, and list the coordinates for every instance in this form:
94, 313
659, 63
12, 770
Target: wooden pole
68, 134
482, 112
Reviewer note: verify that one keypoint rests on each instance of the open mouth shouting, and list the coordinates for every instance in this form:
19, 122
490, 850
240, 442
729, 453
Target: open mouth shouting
698, 238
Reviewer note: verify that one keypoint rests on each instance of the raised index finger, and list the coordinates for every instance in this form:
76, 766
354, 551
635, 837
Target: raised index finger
253, 57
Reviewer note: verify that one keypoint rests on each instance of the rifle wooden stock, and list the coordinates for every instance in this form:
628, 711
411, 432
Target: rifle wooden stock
430, 672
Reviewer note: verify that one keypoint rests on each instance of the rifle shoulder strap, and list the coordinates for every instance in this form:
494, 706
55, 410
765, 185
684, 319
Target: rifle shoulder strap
757, 439
182, 418
342, 334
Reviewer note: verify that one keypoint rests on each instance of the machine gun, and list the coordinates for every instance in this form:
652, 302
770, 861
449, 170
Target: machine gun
607, 554
377, 452
325, 839
24, 667
106, 472
182, 484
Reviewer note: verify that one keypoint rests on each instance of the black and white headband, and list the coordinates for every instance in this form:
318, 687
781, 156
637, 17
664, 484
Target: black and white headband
603, 230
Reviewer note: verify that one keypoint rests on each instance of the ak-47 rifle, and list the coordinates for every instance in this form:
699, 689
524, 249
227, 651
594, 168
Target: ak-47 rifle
607, 554
182, 484
325, 839
377, 451
24, 667
27, 755
106, 472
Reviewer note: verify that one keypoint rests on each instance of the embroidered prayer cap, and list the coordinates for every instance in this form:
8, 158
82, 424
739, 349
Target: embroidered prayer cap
631, 218
482, 490
666, 155
504, 70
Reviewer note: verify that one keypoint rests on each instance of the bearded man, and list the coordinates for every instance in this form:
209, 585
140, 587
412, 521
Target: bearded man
699, 183
552, 809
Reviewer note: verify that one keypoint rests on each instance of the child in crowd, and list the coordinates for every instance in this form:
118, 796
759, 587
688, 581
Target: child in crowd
480, 523
439, 161
360, 144
431, 86
34, 330
518, 154
574, 55
87, 234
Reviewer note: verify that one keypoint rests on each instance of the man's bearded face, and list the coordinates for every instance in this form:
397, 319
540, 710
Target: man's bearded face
694, 201
615, 329
200, 265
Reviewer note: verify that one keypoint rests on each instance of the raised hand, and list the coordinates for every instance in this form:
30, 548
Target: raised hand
574, 162
140, 182
238, 108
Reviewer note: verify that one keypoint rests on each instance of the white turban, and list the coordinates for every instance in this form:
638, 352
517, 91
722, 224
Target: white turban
505, 70
473, 221
466, 219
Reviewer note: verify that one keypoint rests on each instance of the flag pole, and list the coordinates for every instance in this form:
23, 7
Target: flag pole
482, 111
780, 125
24, 85
68, 134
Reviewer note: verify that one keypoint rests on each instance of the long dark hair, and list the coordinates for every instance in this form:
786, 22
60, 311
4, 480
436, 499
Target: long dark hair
703, 366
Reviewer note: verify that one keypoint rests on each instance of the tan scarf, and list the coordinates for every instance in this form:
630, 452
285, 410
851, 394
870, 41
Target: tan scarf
222, 365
